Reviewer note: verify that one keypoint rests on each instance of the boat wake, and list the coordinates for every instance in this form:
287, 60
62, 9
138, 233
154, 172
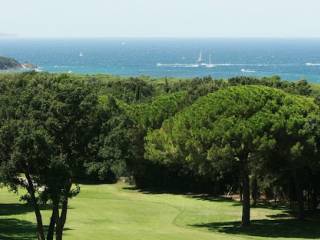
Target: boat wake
61, 66
312, 64
209, 65
178, 65
247, 70
200, 63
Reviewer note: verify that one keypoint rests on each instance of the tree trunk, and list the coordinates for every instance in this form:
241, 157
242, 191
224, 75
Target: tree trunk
314, 200
309, 203
59, 231
299, 194
53, 219
254, 191
61, 220
300, 201
246, 195
31, 191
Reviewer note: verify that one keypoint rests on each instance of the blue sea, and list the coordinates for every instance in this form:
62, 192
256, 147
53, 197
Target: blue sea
292, 59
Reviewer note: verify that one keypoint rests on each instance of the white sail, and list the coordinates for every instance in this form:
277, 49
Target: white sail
210, 65
200, 57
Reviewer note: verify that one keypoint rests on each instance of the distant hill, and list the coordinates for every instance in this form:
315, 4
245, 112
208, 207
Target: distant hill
8, 63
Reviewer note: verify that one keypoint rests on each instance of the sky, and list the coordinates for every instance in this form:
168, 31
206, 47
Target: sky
159, 18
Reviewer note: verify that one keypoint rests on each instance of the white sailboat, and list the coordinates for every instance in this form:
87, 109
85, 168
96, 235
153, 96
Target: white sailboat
210, 64
200, 61
200, 58
80, 54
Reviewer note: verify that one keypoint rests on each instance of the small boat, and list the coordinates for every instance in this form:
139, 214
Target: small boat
80, 54
210, 65
200, 61
200, 58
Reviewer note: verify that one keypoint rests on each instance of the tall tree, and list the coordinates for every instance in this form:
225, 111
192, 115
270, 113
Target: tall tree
47, 125
232, 127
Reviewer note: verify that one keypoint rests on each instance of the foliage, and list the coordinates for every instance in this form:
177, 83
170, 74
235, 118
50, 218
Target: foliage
112, 144
46, 126
204, 135
237, 127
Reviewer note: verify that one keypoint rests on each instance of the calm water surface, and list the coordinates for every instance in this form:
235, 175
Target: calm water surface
292, 59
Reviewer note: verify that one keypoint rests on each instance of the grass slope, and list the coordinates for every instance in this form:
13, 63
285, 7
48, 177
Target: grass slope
116, 212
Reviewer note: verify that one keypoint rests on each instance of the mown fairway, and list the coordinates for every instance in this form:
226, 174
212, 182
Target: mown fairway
116, 212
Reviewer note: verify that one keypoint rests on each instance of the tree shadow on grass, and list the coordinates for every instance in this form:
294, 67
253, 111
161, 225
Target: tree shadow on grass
14, 209
14, 229
271, 206
155, 190
213, 198
11, 228
285, 228
261, 204
7, 209
196, 195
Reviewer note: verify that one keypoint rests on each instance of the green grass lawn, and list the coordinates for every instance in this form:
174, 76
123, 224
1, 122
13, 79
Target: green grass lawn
116, 212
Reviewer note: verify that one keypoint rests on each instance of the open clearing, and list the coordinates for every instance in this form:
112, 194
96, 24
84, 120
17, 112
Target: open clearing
118, 212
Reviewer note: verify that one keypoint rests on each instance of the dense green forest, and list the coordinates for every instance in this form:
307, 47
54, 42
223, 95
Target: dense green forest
257, 138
